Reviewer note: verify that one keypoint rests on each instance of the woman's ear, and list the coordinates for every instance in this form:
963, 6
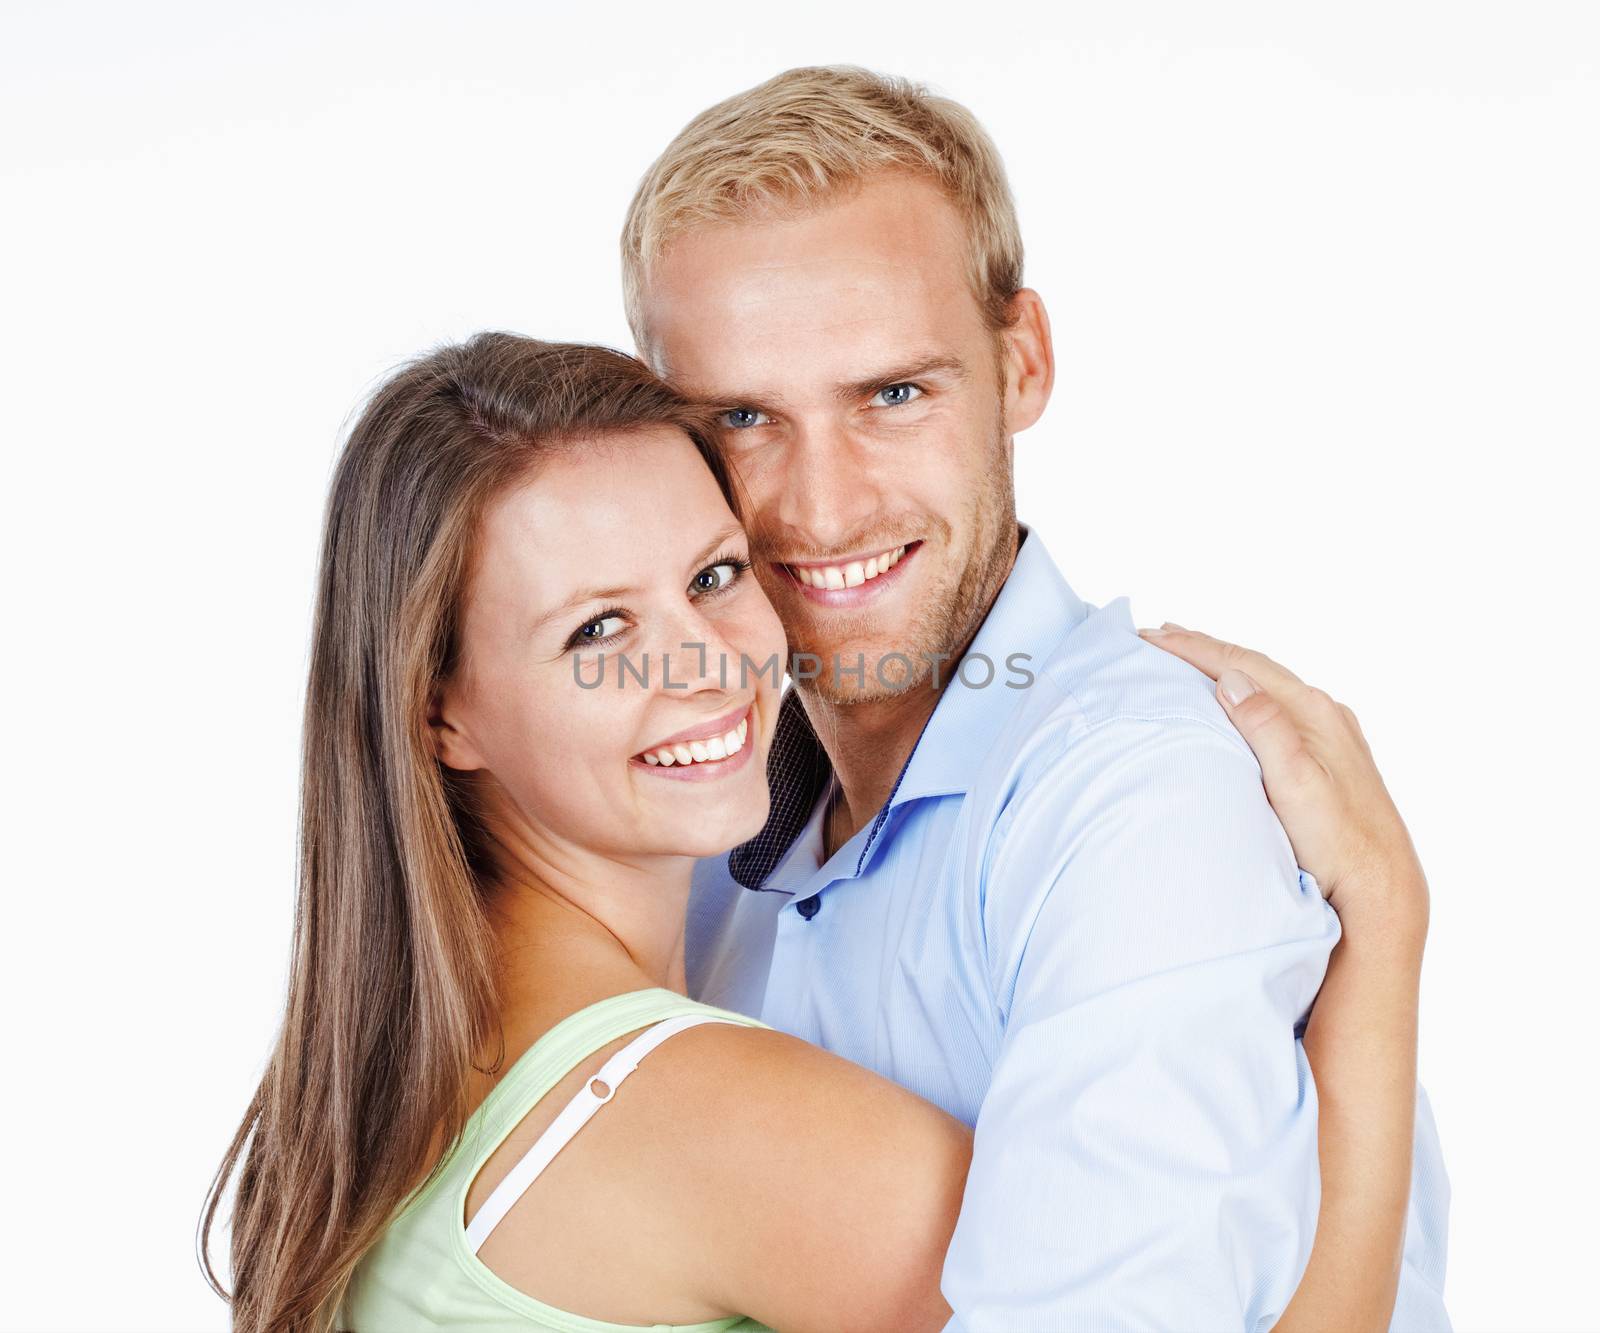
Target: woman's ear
452, 744
1030, 361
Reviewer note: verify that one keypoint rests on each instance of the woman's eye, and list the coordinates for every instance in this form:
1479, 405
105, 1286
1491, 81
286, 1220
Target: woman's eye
895, 395
596, 630
742, 418
714, 578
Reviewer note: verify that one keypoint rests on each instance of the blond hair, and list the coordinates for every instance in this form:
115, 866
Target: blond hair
803, 136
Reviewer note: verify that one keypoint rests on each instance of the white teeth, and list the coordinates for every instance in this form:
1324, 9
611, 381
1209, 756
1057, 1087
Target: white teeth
851, 575
706, 751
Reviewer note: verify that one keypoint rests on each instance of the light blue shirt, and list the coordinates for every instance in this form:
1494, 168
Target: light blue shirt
1078, 927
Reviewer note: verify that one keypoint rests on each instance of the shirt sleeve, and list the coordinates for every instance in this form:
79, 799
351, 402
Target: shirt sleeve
1146, 1155
1419, 1301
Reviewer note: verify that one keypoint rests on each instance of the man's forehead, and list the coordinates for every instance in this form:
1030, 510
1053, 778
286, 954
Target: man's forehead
777, 360
838, 293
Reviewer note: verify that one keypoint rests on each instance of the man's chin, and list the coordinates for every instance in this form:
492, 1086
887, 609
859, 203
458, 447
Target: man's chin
858, 674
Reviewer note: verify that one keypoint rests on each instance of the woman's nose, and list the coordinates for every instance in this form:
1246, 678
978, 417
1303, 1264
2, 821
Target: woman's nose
695, 654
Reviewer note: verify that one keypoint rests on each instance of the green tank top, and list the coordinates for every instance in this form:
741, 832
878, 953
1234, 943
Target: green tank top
423, 1276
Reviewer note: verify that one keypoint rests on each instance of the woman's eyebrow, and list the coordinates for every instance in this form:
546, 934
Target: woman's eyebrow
618, 593
579, 599
711, 548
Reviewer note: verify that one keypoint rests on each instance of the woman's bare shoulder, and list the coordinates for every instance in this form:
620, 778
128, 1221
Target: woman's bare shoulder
791, 1161
734, 1166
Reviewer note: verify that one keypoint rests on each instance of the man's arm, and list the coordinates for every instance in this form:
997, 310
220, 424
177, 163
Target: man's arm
1385, 1197
1146, 1156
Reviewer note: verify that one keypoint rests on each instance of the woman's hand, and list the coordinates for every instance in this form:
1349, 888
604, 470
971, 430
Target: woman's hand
1319, 775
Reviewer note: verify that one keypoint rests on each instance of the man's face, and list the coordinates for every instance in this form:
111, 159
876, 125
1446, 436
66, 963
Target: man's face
866, 410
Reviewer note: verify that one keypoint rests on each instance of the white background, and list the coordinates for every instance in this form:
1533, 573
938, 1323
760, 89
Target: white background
1325, 292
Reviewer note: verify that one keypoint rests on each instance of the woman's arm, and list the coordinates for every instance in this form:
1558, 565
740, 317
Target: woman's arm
1361, 1038
815, 1195
803, 1190
1362, 1044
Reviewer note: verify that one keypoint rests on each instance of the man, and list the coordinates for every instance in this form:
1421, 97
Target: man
1018, 860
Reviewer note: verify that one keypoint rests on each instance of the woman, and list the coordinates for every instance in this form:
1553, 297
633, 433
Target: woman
496, 844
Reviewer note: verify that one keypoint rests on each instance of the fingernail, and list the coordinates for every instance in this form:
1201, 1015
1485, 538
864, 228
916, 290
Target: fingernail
1236, 687
1172, 624
1151, 633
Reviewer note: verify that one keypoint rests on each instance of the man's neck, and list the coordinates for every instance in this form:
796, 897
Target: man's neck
868, 745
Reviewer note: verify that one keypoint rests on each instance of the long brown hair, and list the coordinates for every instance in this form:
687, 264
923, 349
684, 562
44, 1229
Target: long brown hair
391, 988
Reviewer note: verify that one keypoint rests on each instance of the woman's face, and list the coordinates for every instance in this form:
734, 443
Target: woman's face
603, 634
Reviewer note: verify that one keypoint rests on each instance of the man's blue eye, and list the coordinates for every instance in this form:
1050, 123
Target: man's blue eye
742, 418
896, 394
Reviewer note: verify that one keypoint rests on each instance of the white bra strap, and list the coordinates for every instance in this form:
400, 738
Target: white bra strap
574, 1116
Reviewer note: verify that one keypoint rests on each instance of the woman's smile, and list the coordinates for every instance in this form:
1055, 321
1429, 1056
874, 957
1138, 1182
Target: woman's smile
715, 749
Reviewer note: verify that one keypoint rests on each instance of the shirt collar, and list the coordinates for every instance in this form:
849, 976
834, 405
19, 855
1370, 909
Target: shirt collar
1032, 614
797, 774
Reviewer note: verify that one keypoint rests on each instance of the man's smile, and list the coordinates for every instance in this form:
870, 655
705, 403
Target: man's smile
850, 582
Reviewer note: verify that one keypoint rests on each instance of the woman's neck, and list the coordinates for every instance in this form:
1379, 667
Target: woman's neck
621, 921
573, 925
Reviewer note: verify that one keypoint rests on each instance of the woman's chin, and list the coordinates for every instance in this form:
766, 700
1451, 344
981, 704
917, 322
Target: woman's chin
724, 830
751, 825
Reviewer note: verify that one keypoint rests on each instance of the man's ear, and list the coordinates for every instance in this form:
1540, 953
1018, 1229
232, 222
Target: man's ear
1030, 361
452, 744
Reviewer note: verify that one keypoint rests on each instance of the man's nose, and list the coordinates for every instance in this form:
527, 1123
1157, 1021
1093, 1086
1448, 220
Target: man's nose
824, 489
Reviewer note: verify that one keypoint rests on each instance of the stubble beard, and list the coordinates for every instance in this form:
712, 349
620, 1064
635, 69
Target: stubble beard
942, 626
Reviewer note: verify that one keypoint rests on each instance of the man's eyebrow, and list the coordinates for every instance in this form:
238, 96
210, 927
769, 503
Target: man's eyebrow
615, 594
773, 399
949, 366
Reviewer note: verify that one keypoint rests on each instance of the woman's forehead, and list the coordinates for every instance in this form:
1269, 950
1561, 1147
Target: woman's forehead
610, 512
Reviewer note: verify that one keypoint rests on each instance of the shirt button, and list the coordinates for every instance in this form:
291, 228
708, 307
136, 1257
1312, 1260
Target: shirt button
809, 907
